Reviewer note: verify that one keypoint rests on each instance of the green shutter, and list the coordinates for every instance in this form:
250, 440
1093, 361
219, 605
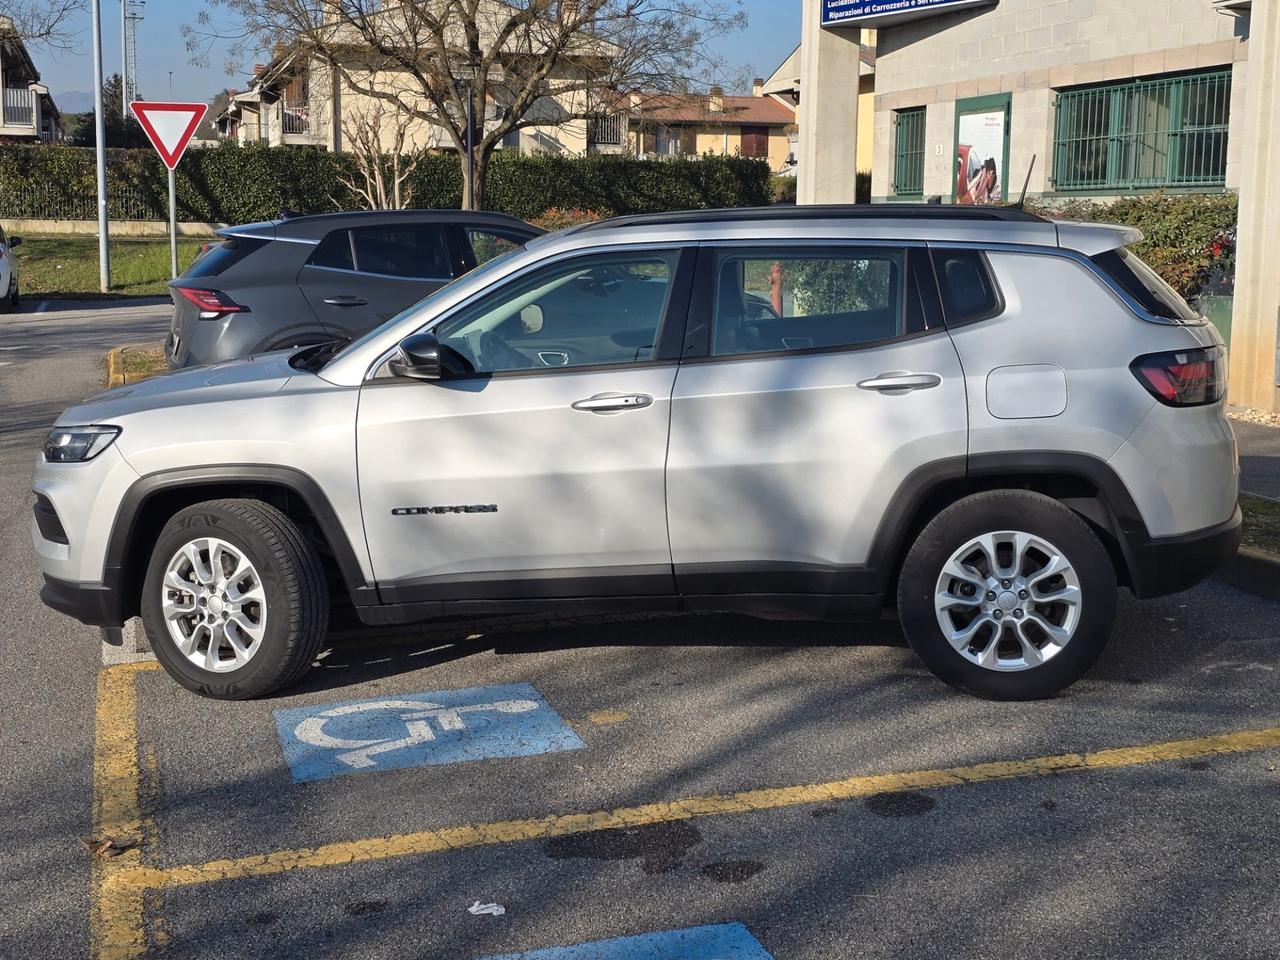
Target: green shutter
1143, 135
908, 152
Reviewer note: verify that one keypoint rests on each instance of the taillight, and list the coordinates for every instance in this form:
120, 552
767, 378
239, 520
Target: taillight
211, 302
1184, 378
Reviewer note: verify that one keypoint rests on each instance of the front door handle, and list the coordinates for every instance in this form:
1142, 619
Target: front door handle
345, 301
613, 402
901, 381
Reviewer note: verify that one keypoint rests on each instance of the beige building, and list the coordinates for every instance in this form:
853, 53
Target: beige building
665, 125
27, 112
301, 99
1108, 98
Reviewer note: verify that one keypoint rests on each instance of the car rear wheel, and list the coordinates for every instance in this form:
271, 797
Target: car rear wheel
235, 602
1007, 595
10, 301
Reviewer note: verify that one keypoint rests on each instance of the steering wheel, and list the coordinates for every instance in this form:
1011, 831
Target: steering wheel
497, 354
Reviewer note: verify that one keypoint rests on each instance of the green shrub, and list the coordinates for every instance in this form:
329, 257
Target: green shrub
1189, 239
783, 189
234, 184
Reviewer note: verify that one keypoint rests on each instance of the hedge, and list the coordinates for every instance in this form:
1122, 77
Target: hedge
231, 184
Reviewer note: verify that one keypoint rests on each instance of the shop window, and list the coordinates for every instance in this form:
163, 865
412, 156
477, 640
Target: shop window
908, 152
1143, 135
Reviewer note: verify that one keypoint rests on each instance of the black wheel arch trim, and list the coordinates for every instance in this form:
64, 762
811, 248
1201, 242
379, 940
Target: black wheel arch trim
131, 509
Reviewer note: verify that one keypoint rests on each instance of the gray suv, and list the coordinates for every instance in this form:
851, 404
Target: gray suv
988, 419
311, 279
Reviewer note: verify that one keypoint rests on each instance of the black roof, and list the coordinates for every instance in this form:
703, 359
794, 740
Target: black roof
860, 211
315, 225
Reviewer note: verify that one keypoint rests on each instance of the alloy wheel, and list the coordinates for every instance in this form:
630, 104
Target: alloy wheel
214, 605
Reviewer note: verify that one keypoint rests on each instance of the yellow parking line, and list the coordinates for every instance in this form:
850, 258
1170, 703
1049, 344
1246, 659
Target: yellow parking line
132, 881
115, 923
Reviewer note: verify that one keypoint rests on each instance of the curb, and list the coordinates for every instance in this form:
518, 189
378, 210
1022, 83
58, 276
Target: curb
1254, 571
115, 368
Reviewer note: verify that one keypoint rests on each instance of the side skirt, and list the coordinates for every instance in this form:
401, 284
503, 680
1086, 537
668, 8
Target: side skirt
851, 607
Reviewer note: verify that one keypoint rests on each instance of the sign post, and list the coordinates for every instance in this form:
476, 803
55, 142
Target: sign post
169, 127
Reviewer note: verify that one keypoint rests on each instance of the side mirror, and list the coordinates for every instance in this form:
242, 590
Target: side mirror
418, 358
15, 242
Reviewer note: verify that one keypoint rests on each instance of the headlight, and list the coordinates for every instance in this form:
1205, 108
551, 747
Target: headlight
78, 444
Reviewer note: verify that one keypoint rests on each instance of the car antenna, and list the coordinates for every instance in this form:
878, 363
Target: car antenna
1022, 200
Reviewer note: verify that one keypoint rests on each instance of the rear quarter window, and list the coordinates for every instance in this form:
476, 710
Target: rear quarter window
1145, 285
225, 255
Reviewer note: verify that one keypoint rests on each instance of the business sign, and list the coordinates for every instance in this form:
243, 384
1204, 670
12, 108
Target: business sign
877, 13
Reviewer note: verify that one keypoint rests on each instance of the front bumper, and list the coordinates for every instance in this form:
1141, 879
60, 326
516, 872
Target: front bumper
94, 604
1164, 565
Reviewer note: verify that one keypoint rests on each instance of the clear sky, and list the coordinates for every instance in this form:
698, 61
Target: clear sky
773, 30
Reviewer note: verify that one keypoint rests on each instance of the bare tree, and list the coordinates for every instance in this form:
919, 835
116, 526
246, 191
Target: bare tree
45, 22
510, 64
377, 136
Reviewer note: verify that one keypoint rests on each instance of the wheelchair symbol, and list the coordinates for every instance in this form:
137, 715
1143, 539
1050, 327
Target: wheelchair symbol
417, 716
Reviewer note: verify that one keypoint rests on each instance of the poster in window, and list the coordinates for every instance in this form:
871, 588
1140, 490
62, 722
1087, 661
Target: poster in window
980, 177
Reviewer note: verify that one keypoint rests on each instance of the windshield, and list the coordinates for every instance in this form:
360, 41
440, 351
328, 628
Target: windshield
1146, 286
488, 267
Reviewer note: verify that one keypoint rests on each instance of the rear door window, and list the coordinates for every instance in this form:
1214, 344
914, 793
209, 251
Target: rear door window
334, 252
1145, 285
417, 251
969, 291
771, 301
225, 255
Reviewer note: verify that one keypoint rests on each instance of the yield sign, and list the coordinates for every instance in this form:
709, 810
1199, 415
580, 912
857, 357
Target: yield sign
168, 126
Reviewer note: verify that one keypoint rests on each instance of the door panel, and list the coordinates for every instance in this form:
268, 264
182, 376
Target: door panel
579, 494
361, 277
781, 467
543, 473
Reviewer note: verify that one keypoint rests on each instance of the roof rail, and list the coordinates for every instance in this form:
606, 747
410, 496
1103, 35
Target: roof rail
861, 211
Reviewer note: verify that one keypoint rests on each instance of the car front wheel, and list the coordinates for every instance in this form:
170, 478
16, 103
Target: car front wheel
235, 602
1007, 595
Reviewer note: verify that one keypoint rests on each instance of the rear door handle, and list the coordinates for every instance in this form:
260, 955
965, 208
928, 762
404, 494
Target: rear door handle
345, 301
901, 381
613, 402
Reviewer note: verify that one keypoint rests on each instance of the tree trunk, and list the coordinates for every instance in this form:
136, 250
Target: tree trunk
482, 157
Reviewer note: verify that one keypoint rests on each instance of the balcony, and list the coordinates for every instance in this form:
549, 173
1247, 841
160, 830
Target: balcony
19, 107
607, 133
295, 118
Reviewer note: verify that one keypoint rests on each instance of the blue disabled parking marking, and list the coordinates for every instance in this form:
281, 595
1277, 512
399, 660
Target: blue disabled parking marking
724, 941
420, 729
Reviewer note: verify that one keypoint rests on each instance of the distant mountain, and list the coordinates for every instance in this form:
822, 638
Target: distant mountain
74, 101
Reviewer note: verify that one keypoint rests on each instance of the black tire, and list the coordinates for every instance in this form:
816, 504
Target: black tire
1007, 510
10, 301
293, 580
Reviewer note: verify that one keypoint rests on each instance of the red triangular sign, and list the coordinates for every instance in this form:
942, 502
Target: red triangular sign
168, 126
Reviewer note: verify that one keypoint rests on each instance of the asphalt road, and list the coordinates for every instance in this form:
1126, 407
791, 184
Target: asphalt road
1137, 856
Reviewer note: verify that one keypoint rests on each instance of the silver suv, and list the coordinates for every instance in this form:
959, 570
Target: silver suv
990, 418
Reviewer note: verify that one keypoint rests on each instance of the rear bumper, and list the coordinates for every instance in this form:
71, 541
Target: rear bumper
1164, 565
94, 604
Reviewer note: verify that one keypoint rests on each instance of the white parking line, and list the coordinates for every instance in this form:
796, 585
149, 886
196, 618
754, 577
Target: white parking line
6, 363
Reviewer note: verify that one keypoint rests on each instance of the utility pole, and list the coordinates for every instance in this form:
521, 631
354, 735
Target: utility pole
124, 59
100, 131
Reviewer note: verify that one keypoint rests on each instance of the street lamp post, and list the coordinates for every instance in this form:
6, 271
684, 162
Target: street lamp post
100, 148
471, 130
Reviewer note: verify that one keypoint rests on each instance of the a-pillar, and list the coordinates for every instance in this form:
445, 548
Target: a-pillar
1255, 359
830, 61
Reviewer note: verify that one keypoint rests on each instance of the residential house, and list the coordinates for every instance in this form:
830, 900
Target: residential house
27, 112
303, 98
692, 124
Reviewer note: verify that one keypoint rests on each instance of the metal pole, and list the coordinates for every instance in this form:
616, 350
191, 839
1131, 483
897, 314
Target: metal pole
100, 135
124, 59
471, 167
173, 226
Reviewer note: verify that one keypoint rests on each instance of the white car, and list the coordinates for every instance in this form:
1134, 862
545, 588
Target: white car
8, 272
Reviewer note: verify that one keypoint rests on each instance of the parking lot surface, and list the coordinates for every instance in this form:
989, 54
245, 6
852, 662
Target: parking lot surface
709, 785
